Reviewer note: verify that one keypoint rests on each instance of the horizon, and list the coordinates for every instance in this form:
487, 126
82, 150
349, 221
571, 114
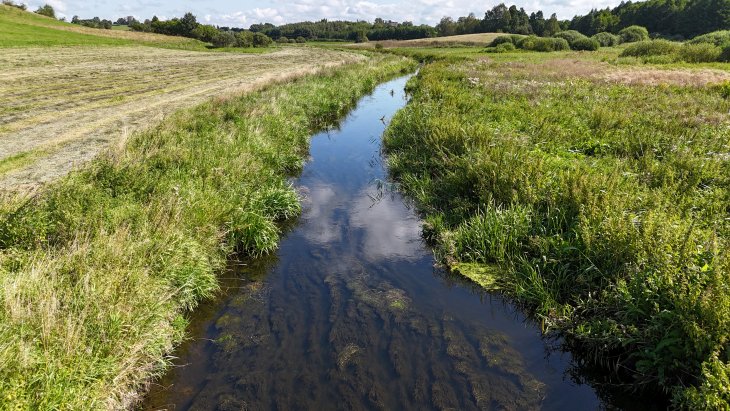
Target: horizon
244, 13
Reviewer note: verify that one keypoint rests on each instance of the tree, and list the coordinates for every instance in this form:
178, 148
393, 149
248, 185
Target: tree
446, 27
552, 27
224, 39
261, 40
205, 33
537, 22
47, 11
360, 37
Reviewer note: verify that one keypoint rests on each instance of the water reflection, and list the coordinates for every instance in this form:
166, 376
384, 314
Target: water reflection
353, 316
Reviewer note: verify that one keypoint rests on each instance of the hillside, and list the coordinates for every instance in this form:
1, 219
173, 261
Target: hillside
20, 28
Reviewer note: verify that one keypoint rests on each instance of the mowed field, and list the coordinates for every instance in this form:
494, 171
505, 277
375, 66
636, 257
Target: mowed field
59, 106
478, 39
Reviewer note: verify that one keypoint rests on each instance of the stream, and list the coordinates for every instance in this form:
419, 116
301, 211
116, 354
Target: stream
351, 312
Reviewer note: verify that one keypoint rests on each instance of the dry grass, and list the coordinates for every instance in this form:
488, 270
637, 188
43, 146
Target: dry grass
63, 105
561, 68
479, 39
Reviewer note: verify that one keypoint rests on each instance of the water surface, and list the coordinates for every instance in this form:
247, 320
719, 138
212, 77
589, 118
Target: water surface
351, 314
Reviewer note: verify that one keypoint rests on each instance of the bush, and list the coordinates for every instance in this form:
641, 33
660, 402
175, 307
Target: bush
224, 39
543, 44
725, 55
512, 38
301, 39
571, 36
585, 44
632, 34
606, 39
378, 46
261, 40
501, 40
47, 11
11, 3
717, 38
651, 48
505, 47
282, 40
700, 53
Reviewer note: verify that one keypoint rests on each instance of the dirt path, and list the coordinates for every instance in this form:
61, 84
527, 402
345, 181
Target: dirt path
61, 106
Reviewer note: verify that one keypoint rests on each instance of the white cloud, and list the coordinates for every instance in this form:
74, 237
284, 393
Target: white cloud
245, 12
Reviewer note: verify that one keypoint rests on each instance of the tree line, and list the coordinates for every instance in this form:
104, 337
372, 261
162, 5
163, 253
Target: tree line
188, 26
347, 30
667, 18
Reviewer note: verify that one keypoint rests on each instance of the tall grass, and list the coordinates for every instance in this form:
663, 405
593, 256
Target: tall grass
97, 272
604, 208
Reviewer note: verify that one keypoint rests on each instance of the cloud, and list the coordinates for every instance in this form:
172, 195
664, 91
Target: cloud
242, 13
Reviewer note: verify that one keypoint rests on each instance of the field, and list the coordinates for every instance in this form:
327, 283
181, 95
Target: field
22, 29
591, 190
60, 106
98, 269
480, 39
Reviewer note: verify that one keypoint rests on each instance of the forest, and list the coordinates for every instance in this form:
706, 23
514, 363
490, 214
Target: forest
347, 30
666, 18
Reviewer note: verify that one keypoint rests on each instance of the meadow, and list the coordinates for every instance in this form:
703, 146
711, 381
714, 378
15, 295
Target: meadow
133, 165
590, 189
79, 100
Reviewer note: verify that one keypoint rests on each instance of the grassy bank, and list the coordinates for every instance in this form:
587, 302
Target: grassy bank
97, 272
593, 194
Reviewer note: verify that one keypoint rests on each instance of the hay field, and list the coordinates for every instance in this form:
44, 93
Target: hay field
479, 39
60, 106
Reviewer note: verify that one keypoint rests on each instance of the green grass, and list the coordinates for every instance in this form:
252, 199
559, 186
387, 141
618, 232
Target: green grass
98, 270
603, 208
20, 28
15, 31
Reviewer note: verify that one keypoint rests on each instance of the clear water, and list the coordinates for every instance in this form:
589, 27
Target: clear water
352, 314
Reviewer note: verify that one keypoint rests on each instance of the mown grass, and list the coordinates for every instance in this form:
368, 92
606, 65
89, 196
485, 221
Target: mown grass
97, 271
602, 207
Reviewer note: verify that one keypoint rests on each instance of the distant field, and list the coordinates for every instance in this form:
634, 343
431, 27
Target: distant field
60, 106
463, 39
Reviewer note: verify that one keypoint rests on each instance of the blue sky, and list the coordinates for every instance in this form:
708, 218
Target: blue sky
242, 13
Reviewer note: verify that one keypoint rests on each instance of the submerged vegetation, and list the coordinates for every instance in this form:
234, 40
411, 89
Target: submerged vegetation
600, 205
97, 271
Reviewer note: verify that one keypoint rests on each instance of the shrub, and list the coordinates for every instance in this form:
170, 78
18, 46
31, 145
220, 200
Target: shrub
543, 44
606, 39
505, 47
512, 38
725, 54
47, 11
378, 46
633, 34
301, 39
224, 39
571, 36
585, 44
651, 48
261, 40
717, 38
282, 40
13, 4
700, 53
501, 40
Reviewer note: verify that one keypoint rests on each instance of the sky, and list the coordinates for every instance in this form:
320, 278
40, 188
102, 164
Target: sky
243, 13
